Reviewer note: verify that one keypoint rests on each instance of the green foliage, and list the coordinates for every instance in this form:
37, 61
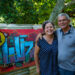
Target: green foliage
67, 1
7, 11
25, 11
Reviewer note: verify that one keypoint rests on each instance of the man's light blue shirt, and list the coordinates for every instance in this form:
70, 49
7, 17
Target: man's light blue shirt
66, 49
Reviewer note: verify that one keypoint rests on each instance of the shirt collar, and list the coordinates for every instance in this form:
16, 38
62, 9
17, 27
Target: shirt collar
71, 29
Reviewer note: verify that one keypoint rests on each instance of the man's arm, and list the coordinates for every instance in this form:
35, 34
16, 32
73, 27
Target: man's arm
40, 35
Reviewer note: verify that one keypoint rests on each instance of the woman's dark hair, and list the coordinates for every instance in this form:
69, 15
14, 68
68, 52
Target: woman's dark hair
44, 24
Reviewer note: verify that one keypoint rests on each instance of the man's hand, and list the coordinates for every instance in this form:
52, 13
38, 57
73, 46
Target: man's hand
38, 36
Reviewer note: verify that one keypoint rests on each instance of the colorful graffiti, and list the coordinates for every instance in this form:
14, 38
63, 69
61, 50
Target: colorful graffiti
17, 45
14, 49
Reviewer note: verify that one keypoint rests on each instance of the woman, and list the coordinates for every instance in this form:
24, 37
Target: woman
46, 51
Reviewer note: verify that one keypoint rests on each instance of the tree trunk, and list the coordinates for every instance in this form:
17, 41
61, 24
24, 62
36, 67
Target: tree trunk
60, 6
57, 9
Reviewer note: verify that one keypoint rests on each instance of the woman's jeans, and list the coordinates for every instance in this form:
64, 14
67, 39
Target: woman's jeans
65, 72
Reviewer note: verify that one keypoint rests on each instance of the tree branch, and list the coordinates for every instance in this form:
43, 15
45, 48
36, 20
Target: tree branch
69, 4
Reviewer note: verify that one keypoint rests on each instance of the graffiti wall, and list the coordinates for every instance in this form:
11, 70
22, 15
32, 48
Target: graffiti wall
17, 47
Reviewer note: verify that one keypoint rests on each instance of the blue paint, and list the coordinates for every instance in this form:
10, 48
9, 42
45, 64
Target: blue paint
11, 56
30, 44
5, 52
16, 53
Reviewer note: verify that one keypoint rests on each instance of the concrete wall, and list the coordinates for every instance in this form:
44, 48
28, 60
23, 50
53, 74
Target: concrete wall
19, 26
24, 71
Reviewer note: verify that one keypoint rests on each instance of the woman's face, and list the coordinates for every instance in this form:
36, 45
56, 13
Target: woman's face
49, 29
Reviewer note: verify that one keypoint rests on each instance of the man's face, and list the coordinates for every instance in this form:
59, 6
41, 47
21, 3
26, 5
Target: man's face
63, 22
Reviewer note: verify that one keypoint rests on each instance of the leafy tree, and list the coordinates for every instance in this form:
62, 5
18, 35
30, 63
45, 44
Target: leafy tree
66, 6
33, 11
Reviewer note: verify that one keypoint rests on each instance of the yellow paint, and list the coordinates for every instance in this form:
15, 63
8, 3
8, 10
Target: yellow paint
2, 38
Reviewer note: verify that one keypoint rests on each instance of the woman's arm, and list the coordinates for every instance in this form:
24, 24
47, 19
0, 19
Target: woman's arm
36, 57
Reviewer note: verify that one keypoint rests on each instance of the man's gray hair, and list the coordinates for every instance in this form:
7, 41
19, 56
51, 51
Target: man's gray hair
64, 14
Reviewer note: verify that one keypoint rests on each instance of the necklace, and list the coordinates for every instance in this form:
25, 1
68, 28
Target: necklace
48, 39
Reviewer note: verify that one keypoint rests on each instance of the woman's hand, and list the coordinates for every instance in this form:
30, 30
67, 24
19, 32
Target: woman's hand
38, 70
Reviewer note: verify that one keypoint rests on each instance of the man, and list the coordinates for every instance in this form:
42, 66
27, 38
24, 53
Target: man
66, 45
